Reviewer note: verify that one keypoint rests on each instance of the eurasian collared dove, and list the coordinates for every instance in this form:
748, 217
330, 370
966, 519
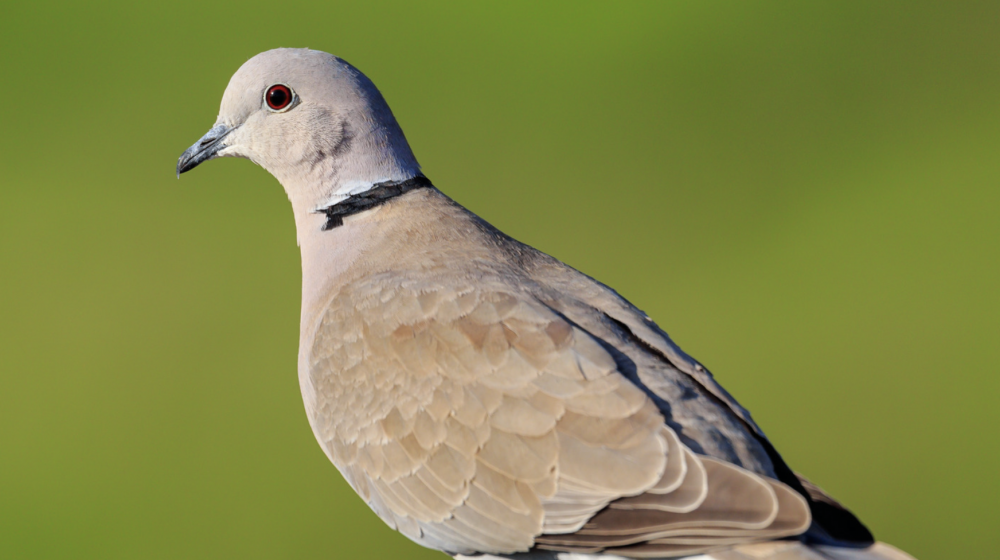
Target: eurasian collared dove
482, 397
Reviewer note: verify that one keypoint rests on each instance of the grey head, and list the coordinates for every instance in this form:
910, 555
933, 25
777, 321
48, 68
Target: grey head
312, 120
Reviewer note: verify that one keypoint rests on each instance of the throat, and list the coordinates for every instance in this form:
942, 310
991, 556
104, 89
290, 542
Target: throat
378, 194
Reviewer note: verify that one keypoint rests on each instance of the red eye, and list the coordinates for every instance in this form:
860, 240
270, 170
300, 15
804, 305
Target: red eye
278, 97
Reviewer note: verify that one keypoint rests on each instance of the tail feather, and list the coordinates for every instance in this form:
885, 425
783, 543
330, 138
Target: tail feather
878, 551
790, 550
771, 550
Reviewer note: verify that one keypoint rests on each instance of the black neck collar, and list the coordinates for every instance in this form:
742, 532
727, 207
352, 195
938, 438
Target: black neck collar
379, 194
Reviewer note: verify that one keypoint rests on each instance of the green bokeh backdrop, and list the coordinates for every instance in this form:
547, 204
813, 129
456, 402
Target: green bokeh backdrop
804, 194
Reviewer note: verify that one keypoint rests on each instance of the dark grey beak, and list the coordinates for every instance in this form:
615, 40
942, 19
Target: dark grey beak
205, 149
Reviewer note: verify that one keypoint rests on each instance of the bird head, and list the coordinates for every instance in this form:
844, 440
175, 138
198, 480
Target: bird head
312, 120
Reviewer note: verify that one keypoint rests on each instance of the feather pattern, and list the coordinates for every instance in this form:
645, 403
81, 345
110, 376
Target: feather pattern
480, 416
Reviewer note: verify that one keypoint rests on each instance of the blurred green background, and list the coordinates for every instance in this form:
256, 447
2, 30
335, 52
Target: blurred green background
804, 194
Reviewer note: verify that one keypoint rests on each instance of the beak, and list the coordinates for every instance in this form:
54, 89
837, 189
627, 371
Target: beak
205, 149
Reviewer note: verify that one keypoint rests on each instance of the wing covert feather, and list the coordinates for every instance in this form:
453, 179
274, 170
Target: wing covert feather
478, 420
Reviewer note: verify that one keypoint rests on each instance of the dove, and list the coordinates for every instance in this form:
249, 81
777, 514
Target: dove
483, 398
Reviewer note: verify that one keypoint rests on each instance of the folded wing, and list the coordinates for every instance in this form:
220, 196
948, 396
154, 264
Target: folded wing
483, 421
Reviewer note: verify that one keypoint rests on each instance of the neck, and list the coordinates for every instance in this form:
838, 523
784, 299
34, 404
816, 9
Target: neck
373, 196
327, 254
343, 163
349, 159
326, 258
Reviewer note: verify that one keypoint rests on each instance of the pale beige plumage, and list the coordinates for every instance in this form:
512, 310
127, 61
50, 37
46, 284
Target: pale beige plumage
480, 396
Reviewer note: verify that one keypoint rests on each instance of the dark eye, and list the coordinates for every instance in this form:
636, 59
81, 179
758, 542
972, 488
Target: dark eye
278, 97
